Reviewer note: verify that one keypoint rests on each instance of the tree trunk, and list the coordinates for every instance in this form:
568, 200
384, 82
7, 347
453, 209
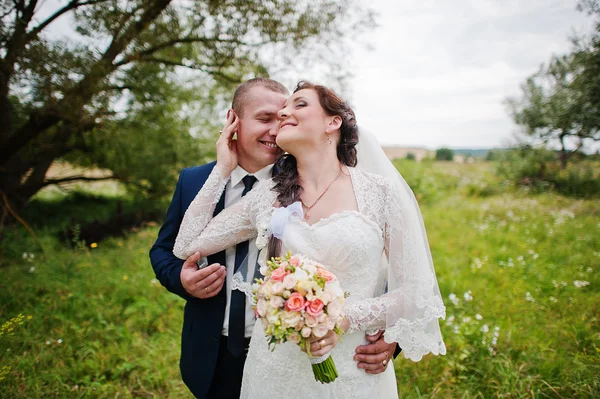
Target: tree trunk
563, 152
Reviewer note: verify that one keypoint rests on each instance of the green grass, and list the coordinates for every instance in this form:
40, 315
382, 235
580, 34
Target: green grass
120, 330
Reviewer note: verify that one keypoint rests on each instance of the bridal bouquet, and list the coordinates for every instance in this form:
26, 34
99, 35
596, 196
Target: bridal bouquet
297, 299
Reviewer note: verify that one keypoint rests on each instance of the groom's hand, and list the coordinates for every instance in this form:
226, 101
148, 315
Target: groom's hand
371, 357
227, 159
204, 283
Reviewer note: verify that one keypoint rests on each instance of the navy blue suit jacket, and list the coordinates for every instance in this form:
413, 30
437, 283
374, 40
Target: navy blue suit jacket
202, 318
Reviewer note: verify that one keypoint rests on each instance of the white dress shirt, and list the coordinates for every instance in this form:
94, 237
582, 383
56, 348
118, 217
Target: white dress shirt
233, 193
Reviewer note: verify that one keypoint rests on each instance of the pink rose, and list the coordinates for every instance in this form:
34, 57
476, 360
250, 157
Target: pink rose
278, 274
295, 262
326, 274
315, 308
295, 302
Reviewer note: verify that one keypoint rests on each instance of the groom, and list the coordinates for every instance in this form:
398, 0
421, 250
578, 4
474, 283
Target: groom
217, 322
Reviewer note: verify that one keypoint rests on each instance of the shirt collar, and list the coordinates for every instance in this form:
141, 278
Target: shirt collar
239, 173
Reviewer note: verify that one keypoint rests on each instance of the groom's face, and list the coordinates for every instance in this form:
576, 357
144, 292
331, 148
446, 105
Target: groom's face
257, 129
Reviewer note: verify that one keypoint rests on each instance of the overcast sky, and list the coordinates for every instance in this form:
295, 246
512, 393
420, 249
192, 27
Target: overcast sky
441, 69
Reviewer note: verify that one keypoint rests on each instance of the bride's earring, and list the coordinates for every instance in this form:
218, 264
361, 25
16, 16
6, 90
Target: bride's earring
328, 138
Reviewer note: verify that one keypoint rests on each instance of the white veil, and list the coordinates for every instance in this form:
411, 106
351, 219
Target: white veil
413, 303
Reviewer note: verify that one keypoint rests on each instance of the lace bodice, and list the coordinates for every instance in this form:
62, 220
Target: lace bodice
355, 245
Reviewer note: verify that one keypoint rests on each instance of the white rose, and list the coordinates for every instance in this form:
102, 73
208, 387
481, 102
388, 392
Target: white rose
273, 317
334, 288
306, 331
290, 319
334, 309
261, 307
326, 296
300, 274
276, 301
312, 269
263, 269
329, 323
320, 331
277, 288
289, 281
311, 321
294, 337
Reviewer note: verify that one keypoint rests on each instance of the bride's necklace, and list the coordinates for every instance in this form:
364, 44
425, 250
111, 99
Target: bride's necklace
308, 208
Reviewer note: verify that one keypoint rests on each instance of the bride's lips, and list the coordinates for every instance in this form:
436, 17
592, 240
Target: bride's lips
286, 124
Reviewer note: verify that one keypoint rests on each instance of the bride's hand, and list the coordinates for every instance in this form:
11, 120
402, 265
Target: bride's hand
323, 345
227, 158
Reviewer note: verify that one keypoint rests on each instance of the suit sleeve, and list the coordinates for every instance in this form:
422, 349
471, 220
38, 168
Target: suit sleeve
167, 266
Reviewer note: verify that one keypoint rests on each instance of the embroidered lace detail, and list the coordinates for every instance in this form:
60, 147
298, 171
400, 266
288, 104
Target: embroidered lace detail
226, 229
238, 283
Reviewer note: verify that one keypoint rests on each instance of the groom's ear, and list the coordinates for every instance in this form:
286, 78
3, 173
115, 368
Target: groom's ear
334, 123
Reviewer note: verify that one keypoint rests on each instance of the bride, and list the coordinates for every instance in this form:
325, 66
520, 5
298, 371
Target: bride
358, 218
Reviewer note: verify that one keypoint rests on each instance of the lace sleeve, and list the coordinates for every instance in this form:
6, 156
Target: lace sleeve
200, 232
410, 310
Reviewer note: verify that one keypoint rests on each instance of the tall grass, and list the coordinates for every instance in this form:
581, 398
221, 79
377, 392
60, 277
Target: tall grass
518, 271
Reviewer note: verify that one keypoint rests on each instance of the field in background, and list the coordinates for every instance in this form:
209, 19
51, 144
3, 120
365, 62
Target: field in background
518, 271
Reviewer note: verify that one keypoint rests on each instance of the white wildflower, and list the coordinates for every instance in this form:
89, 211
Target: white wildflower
468, 297
528, 297
466, 319
453, 298
477, 264
485, 328
31, 269
450, 320
478, 316
552, 299
580, 283
59, 340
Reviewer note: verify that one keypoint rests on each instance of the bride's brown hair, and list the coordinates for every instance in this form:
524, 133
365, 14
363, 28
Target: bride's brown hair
287, 182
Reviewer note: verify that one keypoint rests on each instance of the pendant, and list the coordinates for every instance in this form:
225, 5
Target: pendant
307, 215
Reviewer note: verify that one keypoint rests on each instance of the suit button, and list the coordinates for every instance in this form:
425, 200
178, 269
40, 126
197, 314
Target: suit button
217, 337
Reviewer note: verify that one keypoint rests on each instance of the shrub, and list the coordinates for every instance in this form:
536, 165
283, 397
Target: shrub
540, 169
444, 154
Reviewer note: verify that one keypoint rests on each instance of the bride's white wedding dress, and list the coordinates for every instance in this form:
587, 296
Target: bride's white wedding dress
350, 244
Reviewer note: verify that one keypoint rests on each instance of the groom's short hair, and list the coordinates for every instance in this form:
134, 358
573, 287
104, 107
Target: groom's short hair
240, 97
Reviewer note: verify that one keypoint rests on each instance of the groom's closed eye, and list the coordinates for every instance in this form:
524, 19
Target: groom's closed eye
266, 118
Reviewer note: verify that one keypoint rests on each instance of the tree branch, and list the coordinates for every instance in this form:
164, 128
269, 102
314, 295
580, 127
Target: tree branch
141, 54
71, 179
71, 5
118, 88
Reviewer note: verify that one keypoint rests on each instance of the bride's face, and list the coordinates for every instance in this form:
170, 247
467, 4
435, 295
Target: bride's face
302, 122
